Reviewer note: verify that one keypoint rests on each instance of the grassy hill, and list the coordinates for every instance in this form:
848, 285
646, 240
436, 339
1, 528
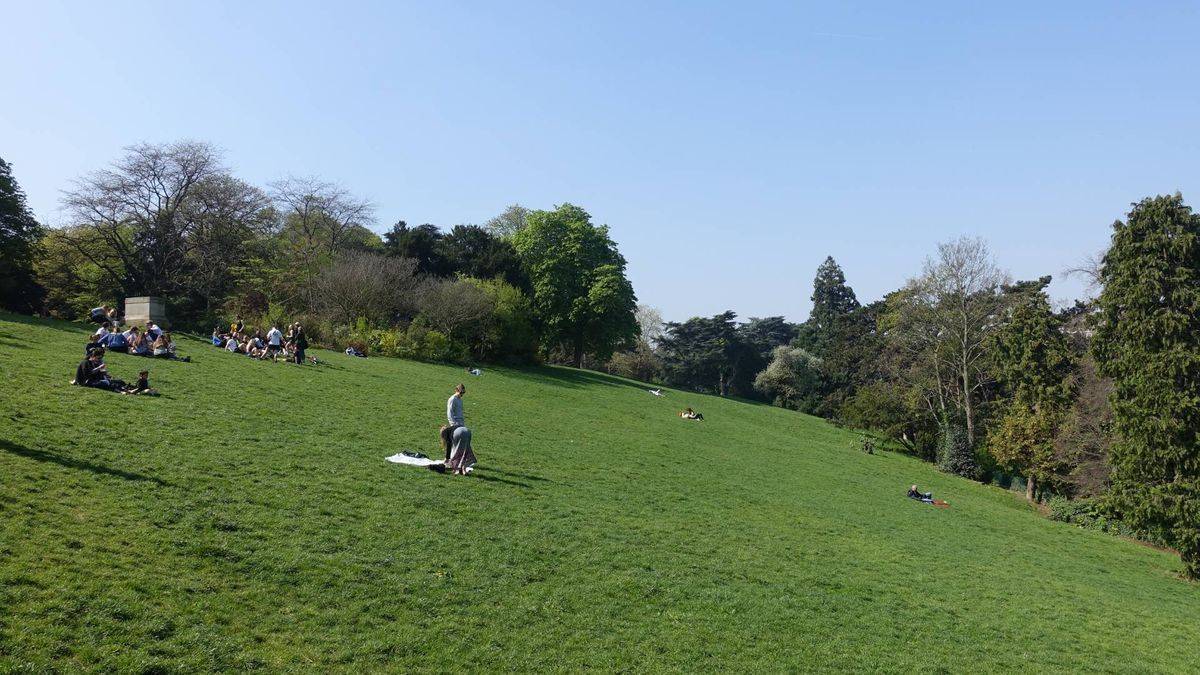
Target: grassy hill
246, 518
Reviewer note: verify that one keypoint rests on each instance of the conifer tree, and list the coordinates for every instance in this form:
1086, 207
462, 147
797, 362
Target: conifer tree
1148, 341
831, 297
19, 233
1034, 362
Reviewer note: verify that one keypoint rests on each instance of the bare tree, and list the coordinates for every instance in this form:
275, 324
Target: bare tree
318, 216
455, 307
367, 286
228, 214
138, 209
945, 317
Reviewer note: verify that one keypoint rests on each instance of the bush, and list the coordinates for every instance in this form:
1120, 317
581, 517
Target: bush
1087, 513
954, 456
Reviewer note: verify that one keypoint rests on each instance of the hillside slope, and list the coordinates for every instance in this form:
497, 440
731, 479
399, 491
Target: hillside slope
246, 518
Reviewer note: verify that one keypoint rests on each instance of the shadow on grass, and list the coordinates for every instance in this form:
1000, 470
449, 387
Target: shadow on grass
72, 463
497, 479
569, 377
83, 329
12, 342
513, 474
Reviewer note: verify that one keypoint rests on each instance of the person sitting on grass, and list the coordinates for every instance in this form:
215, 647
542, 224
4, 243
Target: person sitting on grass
232, 344
115, 341
689, 414
93, 372
96, 339
254, 346
140, 344
164, 347
356, 349
218, 338
153, 331
142, 386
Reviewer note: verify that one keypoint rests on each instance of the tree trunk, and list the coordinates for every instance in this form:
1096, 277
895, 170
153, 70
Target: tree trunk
967, 410
577, 359
1030, 488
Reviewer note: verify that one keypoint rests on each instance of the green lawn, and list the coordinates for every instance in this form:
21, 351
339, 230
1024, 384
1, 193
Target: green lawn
247, 519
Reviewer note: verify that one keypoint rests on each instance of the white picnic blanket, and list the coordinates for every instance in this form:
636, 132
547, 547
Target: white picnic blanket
401, 458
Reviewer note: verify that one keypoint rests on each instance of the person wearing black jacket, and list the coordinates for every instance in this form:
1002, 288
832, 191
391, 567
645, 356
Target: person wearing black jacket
914, 493
92, 372
300, 342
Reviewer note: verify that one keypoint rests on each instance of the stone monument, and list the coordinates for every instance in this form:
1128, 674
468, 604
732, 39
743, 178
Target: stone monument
145, 308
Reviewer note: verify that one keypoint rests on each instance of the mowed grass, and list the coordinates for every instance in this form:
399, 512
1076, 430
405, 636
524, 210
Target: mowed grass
247, 519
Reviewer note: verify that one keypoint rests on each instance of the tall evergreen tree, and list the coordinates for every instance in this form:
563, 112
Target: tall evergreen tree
831, 297
1148, 341
702, 353
1033, 360
19, 234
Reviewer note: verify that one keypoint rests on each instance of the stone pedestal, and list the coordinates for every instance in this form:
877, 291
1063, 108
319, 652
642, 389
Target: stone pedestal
146, 308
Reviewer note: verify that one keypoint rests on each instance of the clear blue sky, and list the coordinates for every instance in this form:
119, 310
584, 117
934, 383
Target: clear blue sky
730, 146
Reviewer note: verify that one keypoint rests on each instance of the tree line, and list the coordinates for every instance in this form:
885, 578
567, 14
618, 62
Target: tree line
1094, 408
172, 221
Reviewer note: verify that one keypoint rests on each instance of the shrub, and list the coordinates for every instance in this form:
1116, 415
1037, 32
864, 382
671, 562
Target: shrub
954, 455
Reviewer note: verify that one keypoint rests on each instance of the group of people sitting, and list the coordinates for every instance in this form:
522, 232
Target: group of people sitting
257, 345
93, 372
148, 341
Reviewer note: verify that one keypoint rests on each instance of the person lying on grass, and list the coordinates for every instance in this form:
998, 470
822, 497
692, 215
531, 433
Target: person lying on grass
102, 314
689, 414
926, 497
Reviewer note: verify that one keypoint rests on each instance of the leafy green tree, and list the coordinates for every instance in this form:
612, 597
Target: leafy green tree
19, 234
1148, 341
1034, 363
510, 335
582, 299
792, 379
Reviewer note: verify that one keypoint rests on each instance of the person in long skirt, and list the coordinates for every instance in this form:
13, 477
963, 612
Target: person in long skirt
462, 457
